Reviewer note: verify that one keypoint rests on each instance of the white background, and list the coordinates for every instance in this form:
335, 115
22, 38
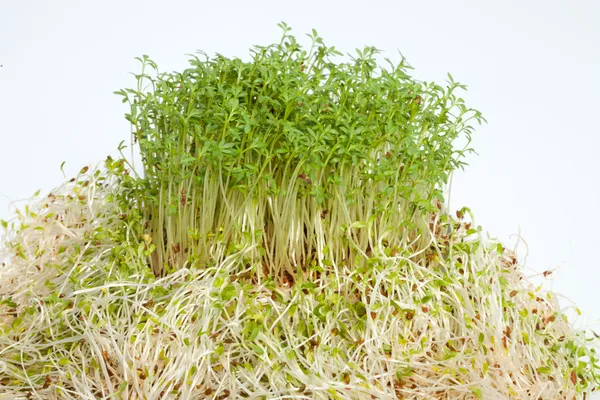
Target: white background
532, 68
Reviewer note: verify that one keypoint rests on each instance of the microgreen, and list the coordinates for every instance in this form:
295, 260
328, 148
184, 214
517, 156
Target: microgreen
286, 237
291, 144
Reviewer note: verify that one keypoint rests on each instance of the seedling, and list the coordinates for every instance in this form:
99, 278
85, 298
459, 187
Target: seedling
285, 237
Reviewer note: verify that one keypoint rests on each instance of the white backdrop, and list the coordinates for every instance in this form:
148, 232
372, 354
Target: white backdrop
532, 68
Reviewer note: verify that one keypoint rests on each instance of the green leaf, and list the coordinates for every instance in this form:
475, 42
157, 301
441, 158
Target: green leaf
360, 309
218, 282
544, 370
358, 224
426, 299
9, 303
396, 305
406, 372
317, 312
254, 333
477, 392
259, 350
188, 160
228, 292
234, 104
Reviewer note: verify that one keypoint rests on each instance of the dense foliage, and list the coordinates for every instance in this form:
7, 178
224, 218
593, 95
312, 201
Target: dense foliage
291, 148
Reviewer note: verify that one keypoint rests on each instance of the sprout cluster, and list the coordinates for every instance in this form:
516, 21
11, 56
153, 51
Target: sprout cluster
286, 239
287, 151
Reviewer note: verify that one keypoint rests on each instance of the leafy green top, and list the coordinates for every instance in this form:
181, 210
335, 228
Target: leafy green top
294, 123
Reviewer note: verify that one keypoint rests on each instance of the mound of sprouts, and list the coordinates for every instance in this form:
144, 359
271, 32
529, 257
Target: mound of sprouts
286, 238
